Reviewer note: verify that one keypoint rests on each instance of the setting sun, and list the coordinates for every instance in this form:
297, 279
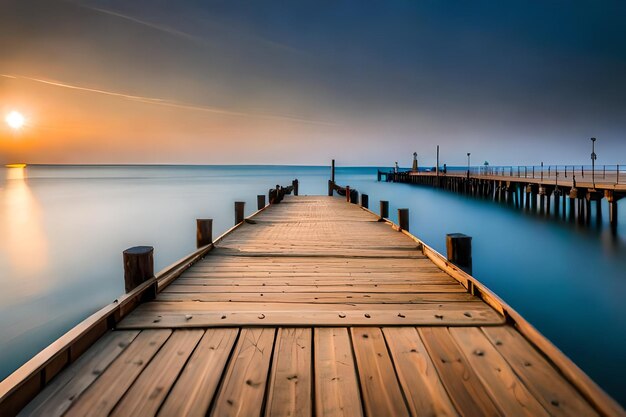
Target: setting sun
15, 120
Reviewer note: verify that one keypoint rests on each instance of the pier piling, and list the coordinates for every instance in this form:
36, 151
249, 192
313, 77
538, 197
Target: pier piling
260, 201
384, 209
239, 206
403, 219
204, 232
365, 201
459, 250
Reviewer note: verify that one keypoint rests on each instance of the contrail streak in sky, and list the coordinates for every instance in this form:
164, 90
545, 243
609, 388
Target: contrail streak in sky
168, 103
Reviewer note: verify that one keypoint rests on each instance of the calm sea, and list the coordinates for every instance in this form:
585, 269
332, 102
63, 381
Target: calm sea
63, 228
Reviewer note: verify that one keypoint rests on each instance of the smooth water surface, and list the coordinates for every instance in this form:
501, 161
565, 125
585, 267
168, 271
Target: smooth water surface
63, 228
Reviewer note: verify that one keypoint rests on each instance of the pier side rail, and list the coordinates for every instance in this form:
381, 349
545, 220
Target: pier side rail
596, 396
28, 380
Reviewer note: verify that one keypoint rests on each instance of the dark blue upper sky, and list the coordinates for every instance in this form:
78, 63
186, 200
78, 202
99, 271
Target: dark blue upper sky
368, 82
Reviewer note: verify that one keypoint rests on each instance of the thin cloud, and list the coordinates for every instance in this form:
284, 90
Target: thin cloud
168, 103
179, 33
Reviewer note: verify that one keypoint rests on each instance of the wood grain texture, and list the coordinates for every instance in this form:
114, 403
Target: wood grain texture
65, 389
197, 384
148, 392
462, 384
424, 391
291, 377
102, 396
380, 388
336, 385
504, 387
552, 391
243, 388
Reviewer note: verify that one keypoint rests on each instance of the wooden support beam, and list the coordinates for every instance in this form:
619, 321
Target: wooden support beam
239, 206
204, 231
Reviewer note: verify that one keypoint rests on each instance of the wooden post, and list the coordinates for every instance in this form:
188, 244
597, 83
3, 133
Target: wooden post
260, 201
330, 187
354, 197
239, 205
384, 209
348, 193
294, 184
204, 232
271, 196
403, 219
459, 248
138, 268
365, 200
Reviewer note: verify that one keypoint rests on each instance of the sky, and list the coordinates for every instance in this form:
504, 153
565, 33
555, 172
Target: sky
277, 82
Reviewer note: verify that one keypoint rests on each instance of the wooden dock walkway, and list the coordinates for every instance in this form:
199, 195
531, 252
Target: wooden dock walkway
313, 307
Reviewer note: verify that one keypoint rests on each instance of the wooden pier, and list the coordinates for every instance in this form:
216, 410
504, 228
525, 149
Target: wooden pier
310, 307
544, 191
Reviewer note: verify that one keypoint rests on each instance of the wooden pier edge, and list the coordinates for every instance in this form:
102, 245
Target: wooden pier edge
21, 386
596, 396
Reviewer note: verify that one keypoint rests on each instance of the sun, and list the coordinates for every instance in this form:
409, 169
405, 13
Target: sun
15, 120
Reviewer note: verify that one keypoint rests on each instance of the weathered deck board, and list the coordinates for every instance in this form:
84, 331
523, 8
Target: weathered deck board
149, 390
102, 396
291, 378
243, 387
196, 386
336, 383
556, 395
65, 389
265, 325
425, 394
382, 395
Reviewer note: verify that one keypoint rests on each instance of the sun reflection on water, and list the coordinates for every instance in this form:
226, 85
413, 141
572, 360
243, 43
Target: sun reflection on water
23, 239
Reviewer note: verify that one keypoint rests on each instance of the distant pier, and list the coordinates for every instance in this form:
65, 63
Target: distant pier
567, 192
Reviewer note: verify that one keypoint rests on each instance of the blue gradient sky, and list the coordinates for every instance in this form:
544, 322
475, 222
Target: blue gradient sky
516, 82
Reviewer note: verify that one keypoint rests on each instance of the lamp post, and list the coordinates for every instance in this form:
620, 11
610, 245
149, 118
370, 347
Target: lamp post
593, 162
468, 165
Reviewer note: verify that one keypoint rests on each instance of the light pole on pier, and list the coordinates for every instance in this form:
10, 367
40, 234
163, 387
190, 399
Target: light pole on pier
468, 165
593, 162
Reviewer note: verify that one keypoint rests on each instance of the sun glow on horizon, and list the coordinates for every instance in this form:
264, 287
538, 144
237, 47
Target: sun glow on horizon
15, 120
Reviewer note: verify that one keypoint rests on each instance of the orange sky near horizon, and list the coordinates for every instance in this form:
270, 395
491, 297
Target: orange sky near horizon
202, 82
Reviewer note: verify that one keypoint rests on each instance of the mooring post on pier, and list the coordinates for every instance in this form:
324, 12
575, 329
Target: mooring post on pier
347, 193
260, 201
354, 197
403, 219
239, 206
138, 268
331, 186
294, 184
459, 250
271, 196
384, 209
332, 171
365, 200
204, 231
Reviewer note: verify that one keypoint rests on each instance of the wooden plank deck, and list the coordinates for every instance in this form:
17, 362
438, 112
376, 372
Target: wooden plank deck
313, 308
